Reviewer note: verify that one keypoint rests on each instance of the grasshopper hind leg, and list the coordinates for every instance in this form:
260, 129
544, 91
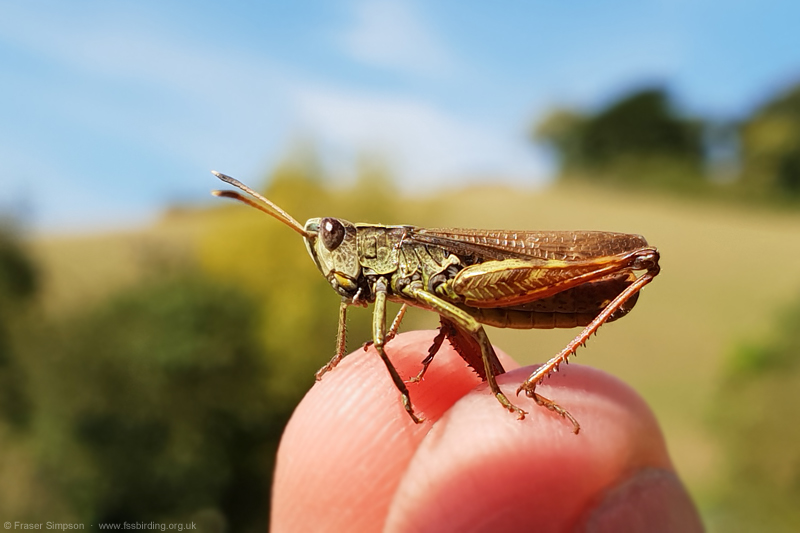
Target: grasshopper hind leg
529, 385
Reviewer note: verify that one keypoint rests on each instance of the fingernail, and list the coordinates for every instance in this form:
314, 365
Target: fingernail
652, 500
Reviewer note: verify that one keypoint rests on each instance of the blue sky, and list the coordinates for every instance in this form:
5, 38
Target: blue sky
112, 110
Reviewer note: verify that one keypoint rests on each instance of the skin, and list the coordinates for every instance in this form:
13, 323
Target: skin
352, 460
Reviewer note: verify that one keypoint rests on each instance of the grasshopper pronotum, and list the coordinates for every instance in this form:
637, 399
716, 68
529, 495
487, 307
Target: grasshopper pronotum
471, 277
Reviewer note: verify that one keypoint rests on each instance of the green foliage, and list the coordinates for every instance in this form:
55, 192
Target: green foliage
18, 278
771, 146
640, 140
560, 132
153, 405
18, 284
756, 412
637, 139
641, 124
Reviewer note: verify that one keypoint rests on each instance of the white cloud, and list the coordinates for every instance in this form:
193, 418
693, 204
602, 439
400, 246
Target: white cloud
179, 105
422, 143
392, 34
166, 94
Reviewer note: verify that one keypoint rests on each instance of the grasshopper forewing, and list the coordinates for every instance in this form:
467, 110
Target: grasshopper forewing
472, 278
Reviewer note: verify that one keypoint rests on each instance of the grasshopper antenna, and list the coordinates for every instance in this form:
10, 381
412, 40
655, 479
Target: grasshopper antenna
266, 206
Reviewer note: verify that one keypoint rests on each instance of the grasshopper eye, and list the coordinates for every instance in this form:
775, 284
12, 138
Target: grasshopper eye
331, 232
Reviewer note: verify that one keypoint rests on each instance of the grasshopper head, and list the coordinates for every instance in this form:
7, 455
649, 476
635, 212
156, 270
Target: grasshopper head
331, 243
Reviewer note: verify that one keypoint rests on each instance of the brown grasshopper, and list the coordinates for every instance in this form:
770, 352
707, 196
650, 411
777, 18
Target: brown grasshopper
472, 277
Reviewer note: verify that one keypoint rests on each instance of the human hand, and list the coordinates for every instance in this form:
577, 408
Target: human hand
352, 460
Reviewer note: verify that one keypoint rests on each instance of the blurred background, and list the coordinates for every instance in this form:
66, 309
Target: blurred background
153, 340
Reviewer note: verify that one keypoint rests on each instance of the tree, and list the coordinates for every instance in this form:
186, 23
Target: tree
629, 139
18, 285
154, 405
771, 146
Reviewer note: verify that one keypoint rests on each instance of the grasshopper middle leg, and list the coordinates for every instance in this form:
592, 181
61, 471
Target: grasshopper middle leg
475, 329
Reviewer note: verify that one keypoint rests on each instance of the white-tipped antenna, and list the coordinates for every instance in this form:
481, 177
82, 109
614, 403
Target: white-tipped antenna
267, 207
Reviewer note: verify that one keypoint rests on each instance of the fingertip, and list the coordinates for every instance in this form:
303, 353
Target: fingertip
350, 440
481, 469
351, 456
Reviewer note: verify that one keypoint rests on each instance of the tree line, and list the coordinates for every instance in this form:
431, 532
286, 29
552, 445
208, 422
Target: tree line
642, 139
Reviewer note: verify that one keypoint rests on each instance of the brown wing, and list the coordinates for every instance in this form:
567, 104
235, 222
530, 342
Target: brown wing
545, 245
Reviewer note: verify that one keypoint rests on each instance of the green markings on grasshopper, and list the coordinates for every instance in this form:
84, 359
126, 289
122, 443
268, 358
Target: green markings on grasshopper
472, 278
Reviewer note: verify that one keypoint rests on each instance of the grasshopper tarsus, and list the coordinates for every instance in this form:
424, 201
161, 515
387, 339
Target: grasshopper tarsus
553, 406
505, 402
519, 412
322, 371
419, 377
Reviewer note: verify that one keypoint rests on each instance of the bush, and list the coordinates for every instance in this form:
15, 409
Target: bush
757, 416
18, 284
154, 406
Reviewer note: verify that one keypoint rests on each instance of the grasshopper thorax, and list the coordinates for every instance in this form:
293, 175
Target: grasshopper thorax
332, 244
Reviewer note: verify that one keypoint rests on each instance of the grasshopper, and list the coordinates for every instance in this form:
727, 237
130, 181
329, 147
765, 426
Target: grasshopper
472, 278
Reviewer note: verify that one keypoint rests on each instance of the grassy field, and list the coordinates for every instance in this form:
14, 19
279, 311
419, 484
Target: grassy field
725, 271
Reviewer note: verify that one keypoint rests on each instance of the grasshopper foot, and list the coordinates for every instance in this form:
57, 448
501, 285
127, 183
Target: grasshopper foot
410, 411
418, 377
510, 406
553, 406
321, 372
530, 388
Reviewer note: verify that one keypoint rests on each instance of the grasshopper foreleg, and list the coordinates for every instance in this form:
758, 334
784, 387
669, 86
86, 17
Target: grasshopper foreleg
474, 329
379, 341
341, 342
